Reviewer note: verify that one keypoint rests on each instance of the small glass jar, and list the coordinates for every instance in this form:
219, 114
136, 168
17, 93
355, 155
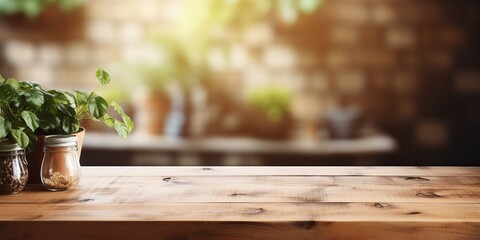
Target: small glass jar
60, 166
13, 168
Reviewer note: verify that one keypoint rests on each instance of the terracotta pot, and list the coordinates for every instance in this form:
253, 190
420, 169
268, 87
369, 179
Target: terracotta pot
152, 114
35, 158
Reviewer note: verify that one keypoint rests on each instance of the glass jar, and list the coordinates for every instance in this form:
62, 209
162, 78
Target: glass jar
60, 166
13, 168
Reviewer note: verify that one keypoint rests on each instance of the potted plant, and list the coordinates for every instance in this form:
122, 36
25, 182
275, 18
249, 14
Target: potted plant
163, 76
28, 113
269, 112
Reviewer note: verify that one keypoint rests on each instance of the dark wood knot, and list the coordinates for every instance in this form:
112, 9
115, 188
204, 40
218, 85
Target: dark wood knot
382, 205
417, 179
254, 211
428, 194
238, 194
306, 224
86, 200
414, 213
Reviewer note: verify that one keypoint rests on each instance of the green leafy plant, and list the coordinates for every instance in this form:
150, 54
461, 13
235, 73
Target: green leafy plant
33, 8
273, 100
26, 109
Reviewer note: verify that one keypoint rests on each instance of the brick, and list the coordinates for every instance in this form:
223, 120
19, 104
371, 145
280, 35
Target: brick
440, 59
405, 83
351, 12
467, 82
258, 35
99, 10
381, 82
256, 76
400, 37
376, 58
77, 53
344, 35
217, 59
307, 107
383, 14
124, 10
279, 57
406, 109
43, 74
50, 54
337, 59
103, 54
432, 133
148, 10
350, 82
451, 36
240, 57
131, 32
318, 83
294, 80
19, 53
76, 78
101, 31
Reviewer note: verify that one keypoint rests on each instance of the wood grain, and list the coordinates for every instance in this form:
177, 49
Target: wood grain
251, 203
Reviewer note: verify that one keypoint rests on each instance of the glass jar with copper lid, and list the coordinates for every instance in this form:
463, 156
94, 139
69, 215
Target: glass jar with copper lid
60, 166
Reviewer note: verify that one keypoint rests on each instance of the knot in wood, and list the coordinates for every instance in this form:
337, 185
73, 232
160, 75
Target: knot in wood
382, 205
417, 179
306, 224
428, 194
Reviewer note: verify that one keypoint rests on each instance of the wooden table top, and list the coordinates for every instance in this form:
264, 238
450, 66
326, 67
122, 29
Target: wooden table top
251, 203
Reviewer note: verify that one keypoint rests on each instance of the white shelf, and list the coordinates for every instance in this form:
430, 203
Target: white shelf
237, 145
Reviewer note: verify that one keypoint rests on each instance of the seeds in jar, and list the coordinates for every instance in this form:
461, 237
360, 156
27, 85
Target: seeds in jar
10, 182
60, 181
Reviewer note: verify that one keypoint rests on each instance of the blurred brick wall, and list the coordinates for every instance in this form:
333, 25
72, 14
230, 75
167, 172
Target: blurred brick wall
413, 66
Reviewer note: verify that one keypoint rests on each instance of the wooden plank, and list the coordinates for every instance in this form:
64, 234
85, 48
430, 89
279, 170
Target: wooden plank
161, 192
285, 180
280, 171
238, 230
91, 210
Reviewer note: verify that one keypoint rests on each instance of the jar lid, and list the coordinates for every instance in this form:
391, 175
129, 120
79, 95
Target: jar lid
8, 146
60, 141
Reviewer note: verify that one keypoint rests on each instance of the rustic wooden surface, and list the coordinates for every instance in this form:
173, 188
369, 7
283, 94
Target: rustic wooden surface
251, 203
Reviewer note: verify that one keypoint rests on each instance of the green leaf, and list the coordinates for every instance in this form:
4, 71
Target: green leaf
287, 11
49, 107
67, 110
2, 79
98, 107
32, 140
59, 97
103, 77
308, 6
81, 98
34, 98
30, 119
121, 129
126, 119
13, 82
109, 121
7, 92
70, 125
48, 121
20, 137
5, 127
